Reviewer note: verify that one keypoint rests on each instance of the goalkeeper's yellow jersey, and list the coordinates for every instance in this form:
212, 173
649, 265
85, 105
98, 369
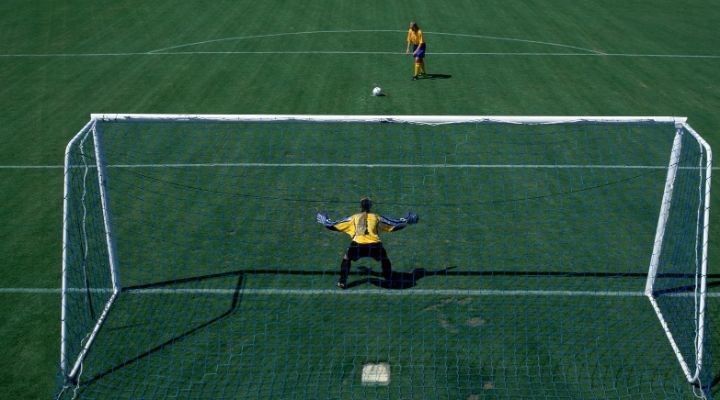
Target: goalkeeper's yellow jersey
364, 227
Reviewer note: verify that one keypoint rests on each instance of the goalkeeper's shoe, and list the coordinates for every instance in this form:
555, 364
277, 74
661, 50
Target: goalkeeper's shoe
341, 285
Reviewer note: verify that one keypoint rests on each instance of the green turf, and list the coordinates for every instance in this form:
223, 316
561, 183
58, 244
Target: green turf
45, 100
293, 347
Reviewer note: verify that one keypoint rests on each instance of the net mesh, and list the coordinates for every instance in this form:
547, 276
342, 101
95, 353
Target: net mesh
525, 277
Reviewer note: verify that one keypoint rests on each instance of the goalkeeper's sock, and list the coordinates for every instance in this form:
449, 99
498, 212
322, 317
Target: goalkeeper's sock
417, 69
422, 67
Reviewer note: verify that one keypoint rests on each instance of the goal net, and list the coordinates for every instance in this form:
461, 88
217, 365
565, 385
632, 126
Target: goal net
193, 266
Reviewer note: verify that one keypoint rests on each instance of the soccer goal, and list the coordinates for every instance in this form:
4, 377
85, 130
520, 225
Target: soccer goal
193, 266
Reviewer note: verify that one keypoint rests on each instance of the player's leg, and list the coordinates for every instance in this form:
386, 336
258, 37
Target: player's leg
385, 264
344, 271
416, 66
421, 57
353, 254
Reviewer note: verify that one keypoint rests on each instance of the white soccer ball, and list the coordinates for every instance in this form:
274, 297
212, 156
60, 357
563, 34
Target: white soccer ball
377, 91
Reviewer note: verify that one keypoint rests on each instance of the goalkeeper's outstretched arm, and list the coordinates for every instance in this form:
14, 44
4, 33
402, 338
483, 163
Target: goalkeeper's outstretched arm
323, 220
392, 224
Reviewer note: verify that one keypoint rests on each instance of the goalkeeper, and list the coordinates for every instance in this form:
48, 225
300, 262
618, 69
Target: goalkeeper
363, 228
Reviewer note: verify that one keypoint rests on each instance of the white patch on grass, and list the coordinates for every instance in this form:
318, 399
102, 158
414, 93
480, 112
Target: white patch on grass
376, 374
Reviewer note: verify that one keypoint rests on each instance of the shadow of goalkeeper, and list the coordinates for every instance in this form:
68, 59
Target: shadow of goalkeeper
398, 280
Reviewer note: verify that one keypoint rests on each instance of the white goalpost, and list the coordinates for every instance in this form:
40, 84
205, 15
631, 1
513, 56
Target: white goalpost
72, 368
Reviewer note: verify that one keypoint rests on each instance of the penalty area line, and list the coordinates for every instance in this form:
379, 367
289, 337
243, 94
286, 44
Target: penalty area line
357, 292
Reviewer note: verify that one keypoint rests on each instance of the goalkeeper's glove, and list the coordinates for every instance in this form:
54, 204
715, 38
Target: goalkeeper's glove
322, 219
412, 218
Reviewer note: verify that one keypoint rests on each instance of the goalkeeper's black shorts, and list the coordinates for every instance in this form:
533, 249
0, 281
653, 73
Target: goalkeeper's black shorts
357, 251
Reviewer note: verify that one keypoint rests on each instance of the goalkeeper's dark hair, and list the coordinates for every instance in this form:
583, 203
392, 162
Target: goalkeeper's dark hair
365, 204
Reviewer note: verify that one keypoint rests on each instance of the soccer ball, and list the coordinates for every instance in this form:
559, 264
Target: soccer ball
377, 91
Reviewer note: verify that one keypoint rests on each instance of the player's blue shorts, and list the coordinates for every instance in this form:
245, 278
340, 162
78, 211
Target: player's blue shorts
421, 53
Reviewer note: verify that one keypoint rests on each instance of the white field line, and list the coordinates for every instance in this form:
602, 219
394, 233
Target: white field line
359, 292
32, 166
330, 52
354, 165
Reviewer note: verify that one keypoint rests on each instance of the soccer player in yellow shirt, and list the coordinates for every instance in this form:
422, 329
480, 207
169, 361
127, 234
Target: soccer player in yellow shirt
363, 228
415, 38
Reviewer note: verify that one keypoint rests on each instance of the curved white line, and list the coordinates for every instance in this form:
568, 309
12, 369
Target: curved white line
519, 40
269, 35
372, 31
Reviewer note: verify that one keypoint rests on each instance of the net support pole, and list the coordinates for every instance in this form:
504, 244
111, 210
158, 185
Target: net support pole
74, 372
105, 202
112, 255
664, 211
691, 376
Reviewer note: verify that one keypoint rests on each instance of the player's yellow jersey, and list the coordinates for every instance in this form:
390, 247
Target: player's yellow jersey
364, 227
415, 37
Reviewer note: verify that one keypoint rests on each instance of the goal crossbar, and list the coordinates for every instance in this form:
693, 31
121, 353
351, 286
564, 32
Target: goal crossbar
428, 119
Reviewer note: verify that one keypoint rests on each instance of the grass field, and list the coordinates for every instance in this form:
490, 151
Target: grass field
61, 62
